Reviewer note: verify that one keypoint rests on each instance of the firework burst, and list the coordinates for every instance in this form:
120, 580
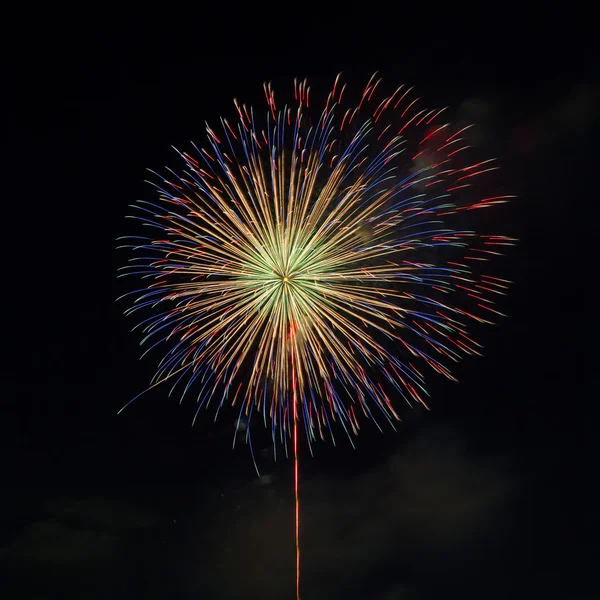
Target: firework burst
311, 265
324, 240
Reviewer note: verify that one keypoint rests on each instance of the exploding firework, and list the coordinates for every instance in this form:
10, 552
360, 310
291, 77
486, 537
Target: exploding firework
301, 248
310, 266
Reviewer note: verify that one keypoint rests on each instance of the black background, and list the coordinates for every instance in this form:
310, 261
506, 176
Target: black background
488, 494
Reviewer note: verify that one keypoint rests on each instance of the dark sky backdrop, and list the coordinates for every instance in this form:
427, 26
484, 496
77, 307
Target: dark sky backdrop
489, 495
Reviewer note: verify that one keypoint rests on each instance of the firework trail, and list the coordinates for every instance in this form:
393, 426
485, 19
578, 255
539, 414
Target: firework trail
306, 265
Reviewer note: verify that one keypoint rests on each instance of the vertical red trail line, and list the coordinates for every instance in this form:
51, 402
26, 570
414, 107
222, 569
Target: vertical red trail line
297, 501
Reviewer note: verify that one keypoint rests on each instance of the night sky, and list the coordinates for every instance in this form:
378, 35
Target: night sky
488, 495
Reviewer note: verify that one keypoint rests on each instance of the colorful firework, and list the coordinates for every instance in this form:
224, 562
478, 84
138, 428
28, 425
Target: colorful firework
307, 265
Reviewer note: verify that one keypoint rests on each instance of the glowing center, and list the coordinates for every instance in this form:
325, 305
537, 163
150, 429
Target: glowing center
285, 280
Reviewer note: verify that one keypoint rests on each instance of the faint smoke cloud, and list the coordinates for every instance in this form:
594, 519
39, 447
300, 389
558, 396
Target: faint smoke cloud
430, 501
